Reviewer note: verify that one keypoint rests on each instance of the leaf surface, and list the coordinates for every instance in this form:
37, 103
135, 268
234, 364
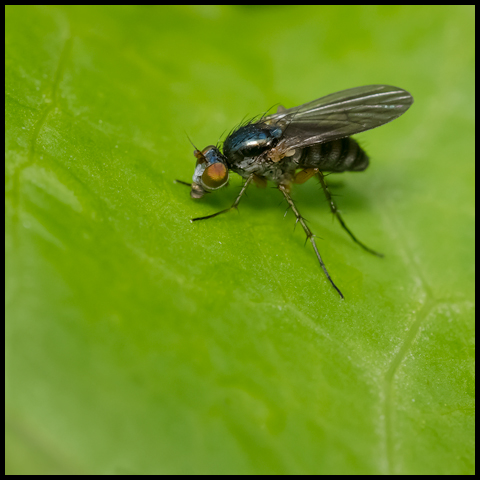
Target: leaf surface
137, 342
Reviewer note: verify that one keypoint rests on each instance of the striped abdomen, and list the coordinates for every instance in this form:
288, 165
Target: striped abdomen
337, 156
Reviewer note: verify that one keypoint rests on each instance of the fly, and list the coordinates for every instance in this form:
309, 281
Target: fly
296, 144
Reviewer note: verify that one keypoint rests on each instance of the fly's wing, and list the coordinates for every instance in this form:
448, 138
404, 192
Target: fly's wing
340, 115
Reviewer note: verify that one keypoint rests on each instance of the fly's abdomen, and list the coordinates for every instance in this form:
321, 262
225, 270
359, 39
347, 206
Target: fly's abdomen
340, 155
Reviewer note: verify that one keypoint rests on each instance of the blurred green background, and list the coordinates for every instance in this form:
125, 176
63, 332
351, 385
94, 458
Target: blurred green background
138, 343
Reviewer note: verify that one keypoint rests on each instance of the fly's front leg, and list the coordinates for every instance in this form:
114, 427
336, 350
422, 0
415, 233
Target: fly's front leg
335, 211
235, 203
309, 234
181, 182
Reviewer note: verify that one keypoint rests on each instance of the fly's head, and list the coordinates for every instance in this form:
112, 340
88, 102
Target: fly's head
211, 171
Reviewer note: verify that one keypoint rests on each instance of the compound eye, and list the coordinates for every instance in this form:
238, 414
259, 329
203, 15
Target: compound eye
215, 176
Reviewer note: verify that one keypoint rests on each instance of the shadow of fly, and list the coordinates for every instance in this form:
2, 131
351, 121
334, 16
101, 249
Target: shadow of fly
296, 144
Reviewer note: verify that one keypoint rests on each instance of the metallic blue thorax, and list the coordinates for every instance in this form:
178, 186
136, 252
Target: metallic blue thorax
250, 141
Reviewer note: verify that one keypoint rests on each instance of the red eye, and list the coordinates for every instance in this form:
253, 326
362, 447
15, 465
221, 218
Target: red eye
215, 176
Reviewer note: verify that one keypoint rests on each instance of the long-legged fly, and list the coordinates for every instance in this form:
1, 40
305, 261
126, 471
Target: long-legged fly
298, 143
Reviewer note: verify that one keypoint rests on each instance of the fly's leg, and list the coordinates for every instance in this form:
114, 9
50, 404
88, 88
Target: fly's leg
335, 211
235, 203
183, 183
309, 234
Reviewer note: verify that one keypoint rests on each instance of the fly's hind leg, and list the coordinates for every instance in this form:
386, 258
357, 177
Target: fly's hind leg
335, 211
309, 234
235, 203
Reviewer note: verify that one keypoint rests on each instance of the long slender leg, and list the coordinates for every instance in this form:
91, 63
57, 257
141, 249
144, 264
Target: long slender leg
309, 234
335, 211
235, 203
183, 183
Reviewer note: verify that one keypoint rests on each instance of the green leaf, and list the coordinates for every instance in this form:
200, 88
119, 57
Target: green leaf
139, 343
